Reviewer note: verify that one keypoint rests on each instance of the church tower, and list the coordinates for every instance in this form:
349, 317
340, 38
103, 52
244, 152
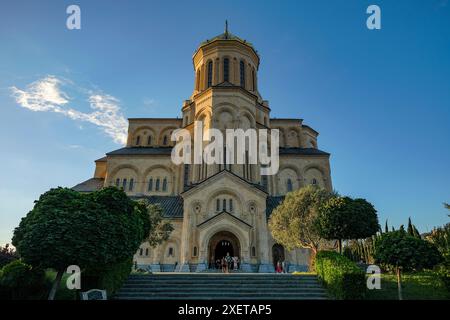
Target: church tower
226, 96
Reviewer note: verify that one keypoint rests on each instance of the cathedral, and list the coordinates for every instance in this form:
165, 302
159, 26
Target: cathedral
215, 209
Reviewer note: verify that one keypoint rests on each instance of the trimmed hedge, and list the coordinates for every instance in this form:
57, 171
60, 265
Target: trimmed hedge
20, 281
342, 277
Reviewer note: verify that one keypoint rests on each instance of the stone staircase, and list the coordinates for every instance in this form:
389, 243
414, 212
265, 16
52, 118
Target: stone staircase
212, 286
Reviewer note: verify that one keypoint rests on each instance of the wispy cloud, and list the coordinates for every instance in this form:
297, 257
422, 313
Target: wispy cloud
46, 95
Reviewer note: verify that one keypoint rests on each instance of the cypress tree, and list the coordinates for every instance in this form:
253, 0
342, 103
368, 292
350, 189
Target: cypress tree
410, 227
386, 228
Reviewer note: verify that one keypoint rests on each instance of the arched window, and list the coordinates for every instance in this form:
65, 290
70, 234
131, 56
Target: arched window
170, 252
141, 252
226, 69
124, 184
164, 186
130, 187
150, 184
253, 80
117, 182
231, 205
165, 140
146, 251
253, 251
157, 185
314, 181
149, 140
197, 84
218, 205
210, 68
138, 140
224, 204
242, 73
289, 185
195, 251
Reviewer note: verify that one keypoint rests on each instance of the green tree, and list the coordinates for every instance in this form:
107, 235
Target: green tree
386, 228
92, 230
292, 222
410, 227
401, 252
344, 218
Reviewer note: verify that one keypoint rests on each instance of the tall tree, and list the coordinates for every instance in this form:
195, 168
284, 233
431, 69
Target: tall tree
92, 230
410, 227
402, 252
344, 218
386, 228
292, 222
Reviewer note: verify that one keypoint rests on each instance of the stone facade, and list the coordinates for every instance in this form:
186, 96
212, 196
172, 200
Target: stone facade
212, 206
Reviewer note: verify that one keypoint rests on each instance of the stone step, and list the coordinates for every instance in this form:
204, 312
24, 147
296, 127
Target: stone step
221, 286
227, 295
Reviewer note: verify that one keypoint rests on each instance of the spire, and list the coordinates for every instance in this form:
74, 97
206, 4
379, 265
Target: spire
226, 28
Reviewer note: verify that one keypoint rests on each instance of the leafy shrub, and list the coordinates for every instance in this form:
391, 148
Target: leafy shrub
342, 277
398, 249
110, 279
20, 281
443, 272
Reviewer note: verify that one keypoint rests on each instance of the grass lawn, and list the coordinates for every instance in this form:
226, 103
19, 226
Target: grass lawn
416, 286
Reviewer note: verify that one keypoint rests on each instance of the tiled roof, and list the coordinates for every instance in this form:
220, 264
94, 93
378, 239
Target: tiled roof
304, 151
271, 203
141, 151
89, 185
172, 205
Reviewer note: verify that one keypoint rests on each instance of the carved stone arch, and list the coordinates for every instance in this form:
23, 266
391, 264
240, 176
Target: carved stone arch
246, 113
171, 177
314, 166
283, 180
225, 191
164, 132
136, 131
298, 133
222, 108
243, 239
124, 166
319, 168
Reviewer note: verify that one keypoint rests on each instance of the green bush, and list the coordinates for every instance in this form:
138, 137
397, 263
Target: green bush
342, 277
443, 272
20, 281
110, 279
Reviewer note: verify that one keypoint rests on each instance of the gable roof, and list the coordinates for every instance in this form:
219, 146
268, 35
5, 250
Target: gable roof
89, 185
225, 172
224, 212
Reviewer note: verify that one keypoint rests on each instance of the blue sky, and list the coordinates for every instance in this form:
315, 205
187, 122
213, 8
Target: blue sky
380, 99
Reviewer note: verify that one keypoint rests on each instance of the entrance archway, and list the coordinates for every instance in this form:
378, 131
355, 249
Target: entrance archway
220, 244
277, 254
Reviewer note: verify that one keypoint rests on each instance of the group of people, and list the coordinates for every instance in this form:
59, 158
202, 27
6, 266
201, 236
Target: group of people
227, 263
281, 267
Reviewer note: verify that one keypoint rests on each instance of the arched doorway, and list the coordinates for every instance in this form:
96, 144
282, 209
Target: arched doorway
277, 254
220, 244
